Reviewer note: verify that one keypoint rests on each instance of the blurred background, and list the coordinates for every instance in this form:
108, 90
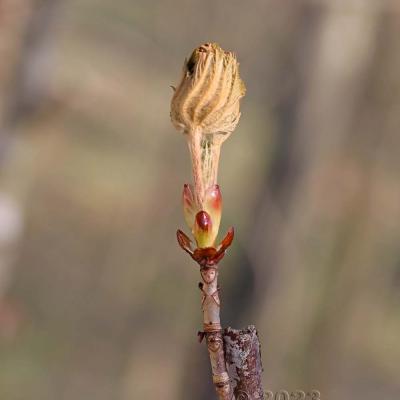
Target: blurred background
96, 299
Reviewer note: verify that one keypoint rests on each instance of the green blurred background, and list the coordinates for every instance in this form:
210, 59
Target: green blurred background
97, 302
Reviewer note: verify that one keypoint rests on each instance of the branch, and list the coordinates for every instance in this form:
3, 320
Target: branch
243, 356
213, 331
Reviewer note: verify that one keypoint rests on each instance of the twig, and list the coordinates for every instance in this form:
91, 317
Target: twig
205, 106
213, 331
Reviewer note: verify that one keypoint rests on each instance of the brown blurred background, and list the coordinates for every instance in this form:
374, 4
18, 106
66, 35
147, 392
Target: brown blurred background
97, 302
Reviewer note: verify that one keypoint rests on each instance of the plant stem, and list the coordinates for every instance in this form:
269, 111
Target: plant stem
213, 331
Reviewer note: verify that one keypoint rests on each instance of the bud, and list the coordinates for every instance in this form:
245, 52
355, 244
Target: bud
212, 207
205, 106
202, 230
207, 98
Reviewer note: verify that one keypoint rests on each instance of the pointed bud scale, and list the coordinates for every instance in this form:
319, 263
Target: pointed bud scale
213, 206
207, 256
202, 230
226, 241
184, 242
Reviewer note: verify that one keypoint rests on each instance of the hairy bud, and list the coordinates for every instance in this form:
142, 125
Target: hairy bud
205, 106
207, 98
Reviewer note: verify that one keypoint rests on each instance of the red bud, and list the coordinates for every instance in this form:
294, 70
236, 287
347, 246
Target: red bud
203, 220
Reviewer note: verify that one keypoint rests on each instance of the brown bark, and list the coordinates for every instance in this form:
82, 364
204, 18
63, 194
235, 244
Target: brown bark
243, 356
